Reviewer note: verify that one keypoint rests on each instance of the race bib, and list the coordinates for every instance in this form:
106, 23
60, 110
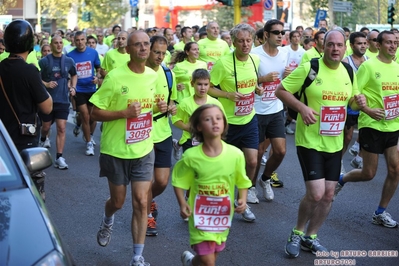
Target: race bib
332, 120
391, 106
270, 90
83, 69
245, 105
138, 128
293, 64
212, 214
210, 65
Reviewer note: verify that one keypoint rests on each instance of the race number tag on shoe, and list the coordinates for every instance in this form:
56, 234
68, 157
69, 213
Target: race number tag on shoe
270, 90
212, 214
138, 128
245, 105
332, 120
391, 106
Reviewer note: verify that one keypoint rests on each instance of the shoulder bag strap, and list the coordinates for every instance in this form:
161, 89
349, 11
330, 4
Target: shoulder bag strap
8, 100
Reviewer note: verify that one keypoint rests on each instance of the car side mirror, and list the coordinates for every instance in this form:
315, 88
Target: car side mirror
36, 159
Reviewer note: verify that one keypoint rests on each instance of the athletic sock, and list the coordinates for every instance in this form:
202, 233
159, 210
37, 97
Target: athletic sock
58, 155
138, 249
380, 210
264, 178
340, 181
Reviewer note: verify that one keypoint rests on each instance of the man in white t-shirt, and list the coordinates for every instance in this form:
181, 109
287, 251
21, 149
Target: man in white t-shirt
101, 47
269, 109
295, 53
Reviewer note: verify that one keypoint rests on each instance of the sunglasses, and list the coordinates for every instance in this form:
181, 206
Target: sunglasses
373, 40
276, 32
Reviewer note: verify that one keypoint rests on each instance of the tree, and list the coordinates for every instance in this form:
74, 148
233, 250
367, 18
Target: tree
364, 12
103, 12
5, 5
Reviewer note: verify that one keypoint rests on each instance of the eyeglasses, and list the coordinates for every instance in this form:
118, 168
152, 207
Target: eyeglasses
306, 37
276, 32
139, 44
373, 40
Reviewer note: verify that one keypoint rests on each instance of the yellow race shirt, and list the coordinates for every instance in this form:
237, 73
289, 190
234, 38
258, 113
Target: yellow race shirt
379, 82
223, 74
161, 129
127, 138
30, 59
179, 46
210, 176
328, 95
309, 54
184, 111
113, 59
167, 58
370, 54
183, 72
211, 51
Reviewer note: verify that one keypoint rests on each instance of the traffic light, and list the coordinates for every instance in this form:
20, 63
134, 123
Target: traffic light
226, 2
134, 12
167, 17
43, 20
249, 2
391, 14
84, 16
89, 16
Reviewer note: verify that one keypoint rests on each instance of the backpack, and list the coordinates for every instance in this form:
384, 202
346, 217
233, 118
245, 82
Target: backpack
64, 72
314, 69
169, 79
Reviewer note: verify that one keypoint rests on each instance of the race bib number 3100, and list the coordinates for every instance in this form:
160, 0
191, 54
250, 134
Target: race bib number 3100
212, 214
139, 128
332, 120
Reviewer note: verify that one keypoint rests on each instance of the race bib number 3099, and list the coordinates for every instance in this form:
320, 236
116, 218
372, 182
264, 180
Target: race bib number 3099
139, 128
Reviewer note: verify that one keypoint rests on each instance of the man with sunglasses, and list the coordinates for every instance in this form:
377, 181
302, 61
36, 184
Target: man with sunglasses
317, 51
269, 109
372, 51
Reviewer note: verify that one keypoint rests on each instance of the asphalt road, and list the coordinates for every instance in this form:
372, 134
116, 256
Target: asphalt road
75, 199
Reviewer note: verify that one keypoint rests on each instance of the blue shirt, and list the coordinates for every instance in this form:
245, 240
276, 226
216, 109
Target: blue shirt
86, 62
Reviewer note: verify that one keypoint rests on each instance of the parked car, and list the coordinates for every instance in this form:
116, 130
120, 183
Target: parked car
27, 234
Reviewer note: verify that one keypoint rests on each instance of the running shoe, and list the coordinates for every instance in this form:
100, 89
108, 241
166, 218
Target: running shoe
76, 131
187, 258
138, 261
293, 245
47, 143
177, 150
358, 164
248, 215
264, 160
338, 188
91, 139
154, 209
384, 219
312, 244
354, 150
252, 196
289, 131
104, 234
274, 181
60, 163
90, 149
268, 193
151, 227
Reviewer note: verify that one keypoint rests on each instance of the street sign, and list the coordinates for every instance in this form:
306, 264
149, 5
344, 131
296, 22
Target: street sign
321, 14
341, 6
268, 4
267, 15
133, 2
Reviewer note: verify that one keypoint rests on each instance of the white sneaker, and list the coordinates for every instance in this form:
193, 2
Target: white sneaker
177, 150
358, 164
90, 149
252, 195
187, 258
268, 193
289, 131
248, 216
139, 261
354, 150
104, 234
264, 160
60, 163
47, 143
384, 219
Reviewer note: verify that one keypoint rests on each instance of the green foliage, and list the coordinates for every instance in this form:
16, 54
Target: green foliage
5, 5
224, 15
364, 12
104, 13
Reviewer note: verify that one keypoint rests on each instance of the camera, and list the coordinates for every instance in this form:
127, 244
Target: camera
28, 129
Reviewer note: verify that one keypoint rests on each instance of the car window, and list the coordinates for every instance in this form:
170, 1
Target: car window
10, 175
